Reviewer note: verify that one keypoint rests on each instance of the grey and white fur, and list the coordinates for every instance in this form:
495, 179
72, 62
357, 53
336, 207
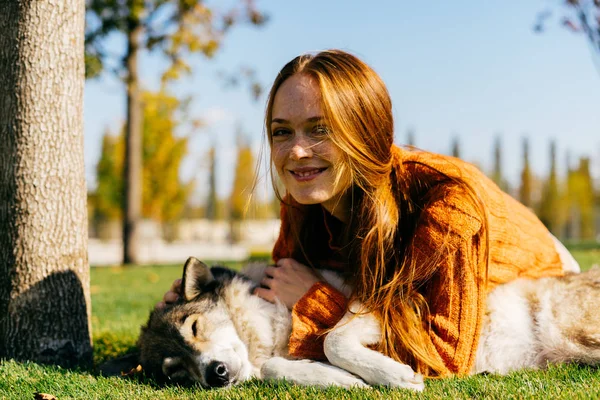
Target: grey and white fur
221, 334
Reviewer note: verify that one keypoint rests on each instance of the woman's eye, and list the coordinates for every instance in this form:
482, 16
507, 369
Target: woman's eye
280, 132
321, 130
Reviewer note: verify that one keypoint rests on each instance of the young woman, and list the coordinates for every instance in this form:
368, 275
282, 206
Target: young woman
421, 238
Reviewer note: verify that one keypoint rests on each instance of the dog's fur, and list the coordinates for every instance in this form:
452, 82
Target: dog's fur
530, 323
221, 334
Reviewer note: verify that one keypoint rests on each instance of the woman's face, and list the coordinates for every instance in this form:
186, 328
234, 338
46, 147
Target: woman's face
302, 152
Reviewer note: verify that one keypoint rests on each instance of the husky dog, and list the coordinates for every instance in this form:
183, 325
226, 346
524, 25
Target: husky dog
220, 334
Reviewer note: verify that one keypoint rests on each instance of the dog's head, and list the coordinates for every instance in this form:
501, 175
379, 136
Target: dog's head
195, 341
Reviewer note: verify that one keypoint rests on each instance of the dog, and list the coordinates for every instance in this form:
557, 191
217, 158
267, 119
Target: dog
220, 334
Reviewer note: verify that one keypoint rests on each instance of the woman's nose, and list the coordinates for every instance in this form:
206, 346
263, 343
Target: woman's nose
301, 148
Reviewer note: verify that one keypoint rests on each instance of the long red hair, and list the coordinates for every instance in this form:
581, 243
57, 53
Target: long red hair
385, 212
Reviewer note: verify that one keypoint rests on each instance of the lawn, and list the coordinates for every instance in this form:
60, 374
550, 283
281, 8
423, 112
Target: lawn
123, 297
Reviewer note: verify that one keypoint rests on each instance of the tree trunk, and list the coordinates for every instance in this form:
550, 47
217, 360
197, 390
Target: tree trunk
44, 272
132, 171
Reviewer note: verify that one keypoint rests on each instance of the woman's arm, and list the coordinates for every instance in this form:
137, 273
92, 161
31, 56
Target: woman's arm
451, 232
320, 309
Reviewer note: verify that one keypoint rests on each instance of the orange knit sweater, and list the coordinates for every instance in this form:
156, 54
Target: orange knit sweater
519, 246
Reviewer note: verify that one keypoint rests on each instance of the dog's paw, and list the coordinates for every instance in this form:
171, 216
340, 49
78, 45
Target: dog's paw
309, 373
348, 382
273, 368
400, 376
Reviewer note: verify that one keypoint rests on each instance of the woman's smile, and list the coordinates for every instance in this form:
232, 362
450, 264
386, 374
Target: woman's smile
306, 159
306, 174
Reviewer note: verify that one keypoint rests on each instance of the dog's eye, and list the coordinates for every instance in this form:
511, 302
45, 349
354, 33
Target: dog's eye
173, 368
177, 374
195, 328
182, 320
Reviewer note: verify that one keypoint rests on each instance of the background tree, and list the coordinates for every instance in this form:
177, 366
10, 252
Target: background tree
243, 181
580, 16
44, 272
410, 137
212, 200
571, 222
525, 189
241, 199
164, 194
109, 170
455, 152
497, 175
550, 206
173, 28
597, 202
581, 197
106, 200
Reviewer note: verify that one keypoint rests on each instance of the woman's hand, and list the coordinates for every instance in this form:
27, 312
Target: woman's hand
288, 282
171, 296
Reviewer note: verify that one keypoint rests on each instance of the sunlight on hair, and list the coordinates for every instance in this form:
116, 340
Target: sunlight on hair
358, 111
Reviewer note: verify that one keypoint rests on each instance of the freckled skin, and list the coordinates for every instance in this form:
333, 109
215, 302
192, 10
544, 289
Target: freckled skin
300, 141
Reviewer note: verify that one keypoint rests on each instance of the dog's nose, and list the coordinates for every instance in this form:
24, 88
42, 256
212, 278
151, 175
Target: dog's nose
217, 374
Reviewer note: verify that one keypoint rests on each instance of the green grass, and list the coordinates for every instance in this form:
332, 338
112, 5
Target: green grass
587, 258
582, 245
123, 297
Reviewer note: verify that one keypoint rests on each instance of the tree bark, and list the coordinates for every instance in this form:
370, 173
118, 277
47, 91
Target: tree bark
132, 171
44, 272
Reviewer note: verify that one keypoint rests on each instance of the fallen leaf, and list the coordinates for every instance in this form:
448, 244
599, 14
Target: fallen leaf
132, 371
44, 396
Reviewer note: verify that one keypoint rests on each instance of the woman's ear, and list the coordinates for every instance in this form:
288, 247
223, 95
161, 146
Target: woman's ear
196, 275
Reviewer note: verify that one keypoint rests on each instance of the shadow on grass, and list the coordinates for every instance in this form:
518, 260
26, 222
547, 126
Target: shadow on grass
47, 323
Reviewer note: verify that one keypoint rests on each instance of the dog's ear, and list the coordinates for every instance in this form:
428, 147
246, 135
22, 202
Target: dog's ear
196, 275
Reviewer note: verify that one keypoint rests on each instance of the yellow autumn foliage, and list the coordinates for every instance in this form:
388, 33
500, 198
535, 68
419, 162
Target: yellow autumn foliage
164, 195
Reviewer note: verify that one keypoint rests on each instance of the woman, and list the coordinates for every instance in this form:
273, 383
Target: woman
421, 238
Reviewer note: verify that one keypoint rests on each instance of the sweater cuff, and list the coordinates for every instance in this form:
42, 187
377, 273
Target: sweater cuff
317, 311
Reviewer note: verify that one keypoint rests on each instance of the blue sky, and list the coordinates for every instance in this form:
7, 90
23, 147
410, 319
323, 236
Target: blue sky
473, 69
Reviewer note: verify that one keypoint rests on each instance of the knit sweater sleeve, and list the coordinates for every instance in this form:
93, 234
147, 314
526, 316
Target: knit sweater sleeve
450, 232
317, 311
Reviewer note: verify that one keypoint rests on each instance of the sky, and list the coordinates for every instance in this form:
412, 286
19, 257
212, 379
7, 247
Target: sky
470, 69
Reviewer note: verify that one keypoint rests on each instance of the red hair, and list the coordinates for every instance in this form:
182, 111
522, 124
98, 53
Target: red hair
385, 279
